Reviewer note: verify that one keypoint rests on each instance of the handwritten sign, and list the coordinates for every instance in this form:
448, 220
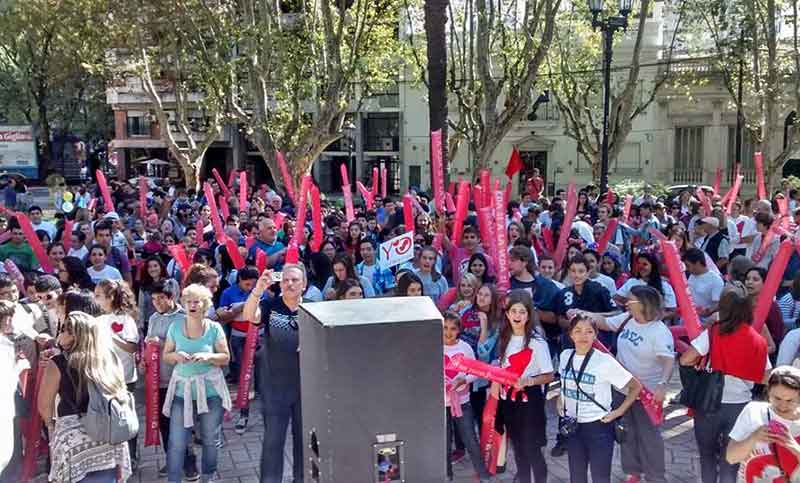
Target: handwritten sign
397, 250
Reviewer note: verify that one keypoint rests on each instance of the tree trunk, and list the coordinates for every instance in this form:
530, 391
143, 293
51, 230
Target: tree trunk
435, 22
190, 172
45, 161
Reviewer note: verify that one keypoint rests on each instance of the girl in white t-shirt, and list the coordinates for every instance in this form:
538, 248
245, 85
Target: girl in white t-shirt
646, 349
764, 428
457, 385
99, 271
523, 349
711, 429
119, 307
588, 402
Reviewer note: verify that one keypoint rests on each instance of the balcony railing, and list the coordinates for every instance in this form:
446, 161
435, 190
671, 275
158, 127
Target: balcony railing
688, 176
748, 173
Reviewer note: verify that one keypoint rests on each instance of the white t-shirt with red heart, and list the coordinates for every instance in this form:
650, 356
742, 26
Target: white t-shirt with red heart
124, 327
460, 347
518, 360
755, 415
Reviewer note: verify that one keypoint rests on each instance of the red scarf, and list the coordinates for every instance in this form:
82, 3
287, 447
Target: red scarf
742, 354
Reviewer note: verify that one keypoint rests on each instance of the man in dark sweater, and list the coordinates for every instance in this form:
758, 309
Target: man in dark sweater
278, 363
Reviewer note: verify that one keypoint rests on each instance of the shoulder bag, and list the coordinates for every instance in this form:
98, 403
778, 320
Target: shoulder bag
702, 386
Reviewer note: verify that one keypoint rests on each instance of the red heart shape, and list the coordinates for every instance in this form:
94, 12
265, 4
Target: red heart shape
116, 327
519, 361
449, 373
761, 467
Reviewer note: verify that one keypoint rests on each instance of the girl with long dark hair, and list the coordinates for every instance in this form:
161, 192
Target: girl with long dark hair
523, 349
648, 272
343, 269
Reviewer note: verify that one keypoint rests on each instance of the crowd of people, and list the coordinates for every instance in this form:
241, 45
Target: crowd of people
113, 282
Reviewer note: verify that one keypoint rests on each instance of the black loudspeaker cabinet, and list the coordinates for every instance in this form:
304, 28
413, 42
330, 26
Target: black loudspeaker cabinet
372, 391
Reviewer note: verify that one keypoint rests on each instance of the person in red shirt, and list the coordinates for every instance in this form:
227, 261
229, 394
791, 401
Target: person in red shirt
535, 185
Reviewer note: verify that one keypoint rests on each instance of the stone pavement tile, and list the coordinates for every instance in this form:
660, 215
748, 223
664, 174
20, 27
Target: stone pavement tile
239, 459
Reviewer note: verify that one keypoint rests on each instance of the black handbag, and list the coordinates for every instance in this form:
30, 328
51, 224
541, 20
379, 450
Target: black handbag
702, 386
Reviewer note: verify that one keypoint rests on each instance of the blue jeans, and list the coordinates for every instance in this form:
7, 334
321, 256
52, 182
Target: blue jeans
276, 419
465, 426
102, 476
237, 351
208, 425
591, 447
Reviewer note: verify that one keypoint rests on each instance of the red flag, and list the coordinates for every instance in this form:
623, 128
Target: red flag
223, 206
515, 164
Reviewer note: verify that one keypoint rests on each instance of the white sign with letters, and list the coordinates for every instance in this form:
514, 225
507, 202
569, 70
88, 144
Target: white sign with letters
397, 250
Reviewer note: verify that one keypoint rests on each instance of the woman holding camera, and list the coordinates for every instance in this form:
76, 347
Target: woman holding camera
587, 377
645, 348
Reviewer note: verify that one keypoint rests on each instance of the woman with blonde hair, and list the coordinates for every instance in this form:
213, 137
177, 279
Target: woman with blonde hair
87, 358
198, 350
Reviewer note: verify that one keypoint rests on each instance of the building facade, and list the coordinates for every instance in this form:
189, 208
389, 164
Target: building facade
677, 140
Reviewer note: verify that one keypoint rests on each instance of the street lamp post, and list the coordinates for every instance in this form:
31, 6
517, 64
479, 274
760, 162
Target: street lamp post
350, 133
608, 26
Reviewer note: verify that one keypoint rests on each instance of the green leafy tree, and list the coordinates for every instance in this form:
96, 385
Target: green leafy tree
46, 53
743, 46
575, 77
183, 54
494, 55
304, 66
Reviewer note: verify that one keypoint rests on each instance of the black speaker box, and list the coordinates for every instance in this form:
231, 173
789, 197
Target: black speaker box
372, 391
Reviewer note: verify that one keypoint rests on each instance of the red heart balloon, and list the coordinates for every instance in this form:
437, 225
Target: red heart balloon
519, 361
116, 327
764, 468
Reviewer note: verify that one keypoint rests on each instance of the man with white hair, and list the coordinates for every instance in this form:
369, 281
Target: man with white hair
714, 242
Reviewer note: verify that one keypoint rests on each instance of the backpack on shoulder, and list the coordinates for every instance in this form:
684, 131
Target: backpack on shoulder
108, 419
